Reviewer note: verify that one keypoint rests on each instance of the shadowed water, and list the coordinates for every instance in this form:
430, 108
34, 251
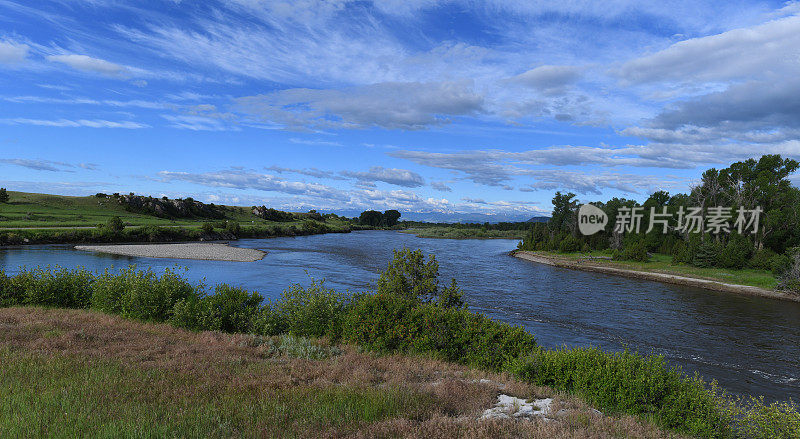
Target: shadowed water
750, 345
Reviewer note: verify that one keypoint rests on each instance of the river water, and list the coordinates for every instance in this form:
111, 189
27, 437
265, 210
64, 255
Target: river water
749, 345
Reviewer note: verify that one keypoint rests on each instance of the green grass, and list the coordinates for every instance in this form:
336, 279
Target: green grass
662, 263
465, 233
31, 210
61, 396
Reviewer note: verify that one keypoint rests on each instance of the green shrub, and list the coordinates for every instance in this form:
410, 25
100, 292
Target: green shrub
629, 383
314, 311
141, 294
736, 253
408, 275
395, 323
632, 252
10, 294
757, 420
115, 224
708, 254
233, 227
569, 244
229, 309
207, 228
57, 287
779, 264
762, 259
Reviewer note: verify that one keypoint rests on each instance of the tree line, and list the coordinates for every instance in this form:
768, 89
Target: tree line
721, 195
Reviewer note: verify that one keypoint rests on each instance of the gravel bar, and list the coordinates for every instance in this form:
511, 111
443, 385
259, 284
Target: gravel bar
202, 251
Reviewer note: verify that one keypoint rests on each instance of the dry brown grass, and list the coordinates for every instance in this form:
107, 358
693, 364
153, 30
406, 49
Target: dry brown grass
215, 362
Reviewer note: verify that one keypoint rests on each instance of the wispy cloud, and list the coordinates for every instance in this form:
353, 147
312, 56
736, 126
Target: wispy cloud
398, 177
48, 165
94, 123
12, 53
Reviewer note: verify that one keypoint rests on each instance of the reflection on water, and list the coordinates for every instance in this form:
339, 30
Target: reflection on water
750, 345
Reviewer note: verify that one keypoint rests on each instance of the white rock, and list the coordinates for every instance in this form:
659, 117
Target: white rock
508, 406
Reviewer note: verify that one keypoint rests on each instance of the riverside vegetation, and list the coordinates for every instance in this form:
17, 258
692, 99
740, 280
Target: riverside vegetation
53, 219
767, 258
409, 312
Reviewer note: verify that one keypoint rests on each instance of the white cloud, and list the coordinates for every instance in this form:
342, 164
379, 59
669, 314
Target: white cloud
89, 64
399, 177
94, 123
47, 165
240, 179
769, 48
197, 123
12, 53
548, 79
387, 105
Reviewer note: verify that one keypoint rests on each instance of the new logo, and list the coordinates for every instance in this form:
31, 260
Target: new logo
591, 219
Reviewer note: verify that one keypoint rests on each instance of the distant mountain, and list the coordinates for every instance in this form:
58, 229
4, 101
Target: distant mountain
538, 219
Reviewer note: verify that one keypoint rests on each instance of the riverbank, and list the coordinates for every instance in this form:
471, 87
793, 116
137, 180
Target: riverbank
393, 325
160, 234
598, 265
464, 233
199, 251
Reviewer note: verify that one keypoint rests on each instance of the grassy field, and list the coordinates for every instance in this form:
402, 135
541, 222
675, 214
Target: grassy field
464, 233
77, 373
30, 210
661, 263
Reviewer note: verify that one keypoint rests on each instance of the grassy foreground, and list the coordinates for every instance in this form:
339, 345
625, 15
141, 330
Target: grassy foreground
77, 373
660, 263
393, 320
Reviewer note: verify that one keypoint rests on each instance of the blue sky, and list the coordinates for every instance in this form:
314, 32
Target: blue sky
436, 108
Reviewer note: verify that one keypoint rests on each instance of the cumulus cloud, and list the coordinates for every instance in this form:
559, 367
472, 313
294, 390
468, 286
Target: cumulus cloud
12, 53
549, 79
740, 53
240, 179
311, 172
398, 177
751, 105
387, 105
441, 186
583, 183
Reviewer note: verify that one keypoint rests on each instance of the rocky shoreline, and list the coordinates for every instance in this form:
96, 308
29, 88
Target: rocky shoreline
654, 276
200, 251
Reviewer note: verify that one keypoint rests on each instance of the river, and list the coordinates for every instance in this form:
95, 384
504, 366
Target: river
749, 345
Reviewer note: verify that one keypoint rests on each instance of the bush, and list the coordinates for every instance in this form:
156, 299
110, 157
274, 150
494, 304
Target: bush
229, 309
736, 253
10, 294
569, 244
626, 382
57, 287
314, 311
233, 227
410, 276
207, 228
761, 259
141, 294
395, 323
779, 264
636, 251
708, 254
115, 224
